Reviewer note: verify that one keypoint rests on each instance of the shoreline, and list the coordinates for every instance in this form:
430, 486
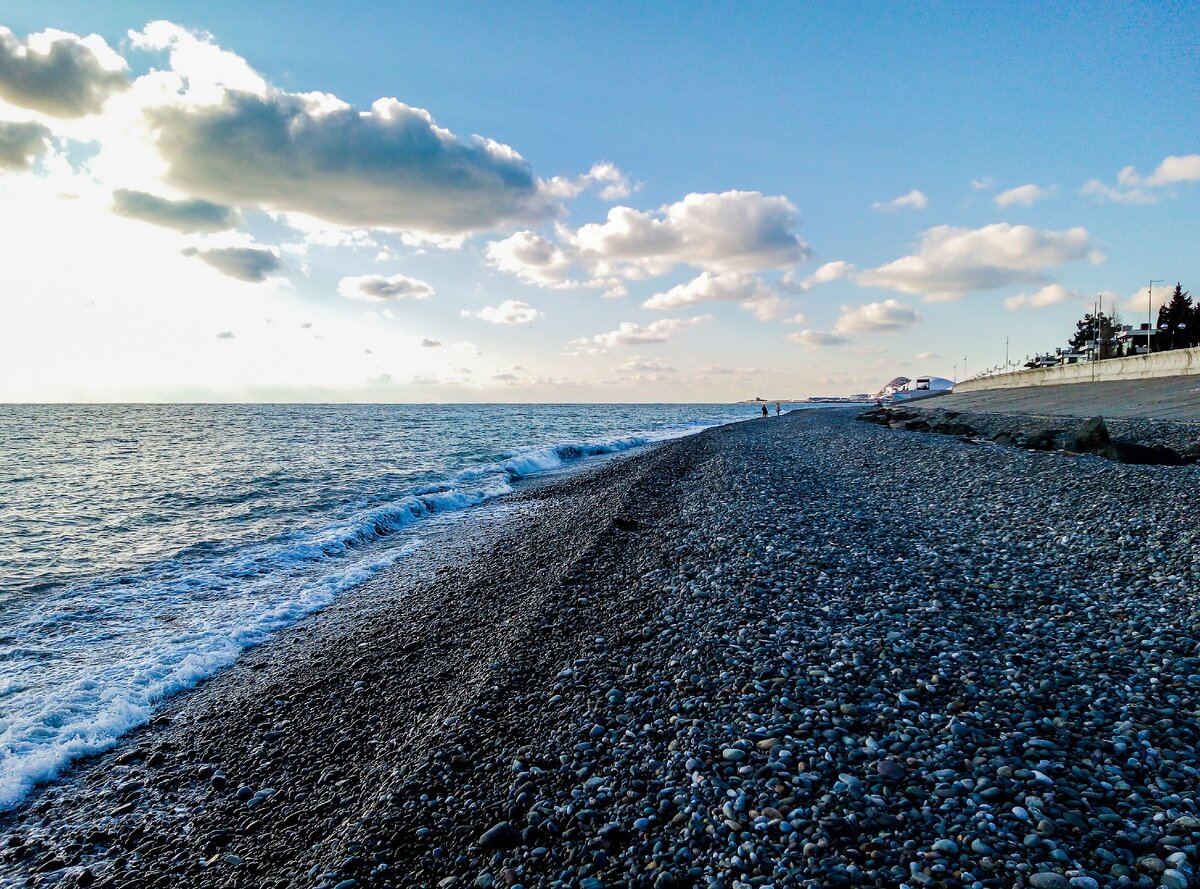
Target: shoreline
801, 650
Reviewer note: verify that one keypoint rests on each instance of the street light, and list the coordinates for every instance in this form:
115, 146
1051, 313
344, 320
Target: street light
1150, 311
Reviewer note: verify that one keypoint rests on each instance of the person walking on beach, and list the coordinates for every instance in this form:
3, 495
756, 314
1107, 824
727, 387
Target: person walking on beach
764, 410
777, 408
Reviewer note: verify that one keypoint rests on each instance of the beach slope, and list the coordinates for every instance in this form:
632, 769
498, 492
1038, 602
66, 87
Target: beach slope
792, 651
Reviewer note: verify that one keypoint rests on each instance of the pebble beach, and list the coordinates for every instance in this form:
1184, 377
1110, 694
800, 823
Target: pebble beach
796, 651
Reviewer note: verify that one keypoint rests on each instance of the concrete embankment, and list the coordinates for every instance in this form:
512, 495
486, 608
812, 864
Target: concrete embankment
1165, 398
1175, 363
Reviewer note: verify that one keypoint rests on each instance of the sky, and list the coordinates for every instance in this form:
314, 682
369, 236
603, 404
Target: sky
448, 202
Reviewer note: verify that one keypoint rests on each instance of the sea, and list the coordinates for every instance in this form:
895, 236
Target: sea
144, 547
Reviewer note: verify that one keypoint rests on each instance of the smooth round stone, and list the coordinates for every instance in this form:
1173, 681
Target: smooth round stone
1049, 881
732, 754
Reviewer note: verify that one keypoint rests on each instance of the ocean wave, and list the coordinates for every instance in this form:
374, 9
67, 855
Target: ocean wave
162, 628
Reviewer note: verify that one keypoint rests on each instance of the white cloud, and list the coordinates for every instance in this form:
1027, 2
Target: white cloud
380, 287
887, 316
430, 343
510, 311
815, 339
1136, 303
389, 167
21, 144
606, 177
951, 262
185, 215
1022, 196
745, 289
533, 258
1175, 169
226, 335
1133, 188
926, 356
830, 271
58, 73
731, 231
798, 318
252, 264
643, 365
983, 184
1050, 295
629, 333
915, 199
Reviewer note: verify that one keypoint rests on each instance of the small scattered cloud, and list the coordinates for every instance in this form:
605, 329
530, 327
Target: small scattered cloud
380, 288
745, 289
430, 343
1022, 196
533, 258
21, 144
509, 312
983, 184
226, 335
643, 365
915, 199
253, 264
59, 74
952, 262
1050, 295
1143, 299
629, 333
888, 316
605, 177
830, 271
189, 216
817, 339
926, 356
1134, 188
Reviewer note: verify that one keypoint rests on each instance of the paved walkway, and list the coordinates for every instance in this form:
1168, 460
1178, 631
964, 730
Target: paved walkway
1168, 398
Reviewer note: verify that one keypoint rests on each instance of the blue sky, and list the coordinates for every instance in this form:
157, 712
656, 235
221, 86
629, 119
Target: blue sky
834, 110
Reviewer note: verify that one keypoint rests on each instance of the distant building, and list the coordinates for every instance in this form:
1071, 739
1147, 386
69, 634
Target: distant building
1132, 340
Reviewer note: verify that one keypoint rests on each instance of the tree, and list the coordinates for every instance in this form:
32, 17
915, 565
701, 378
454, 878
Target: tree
1086, 330
1176, 311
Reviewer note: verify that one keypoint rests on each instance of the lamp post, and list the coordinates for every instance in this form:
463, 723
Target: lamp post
1150, 311
1163, 329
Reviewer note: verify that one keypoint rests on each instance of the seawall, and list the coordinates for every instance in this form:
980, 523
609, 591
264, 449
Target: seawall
1176, 363
1162, 398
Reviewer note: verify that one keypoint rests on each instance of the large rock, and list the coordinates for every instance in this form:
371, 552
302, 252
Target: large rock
1091, 438
1143, 455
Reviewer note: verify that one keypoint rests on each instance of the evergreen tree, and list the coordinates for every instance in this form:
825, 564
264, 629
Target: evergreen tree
1085, 330
1176, 311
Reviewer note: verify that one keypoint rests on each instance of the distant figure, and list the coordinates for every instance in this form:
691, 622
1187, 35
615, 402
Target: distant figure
777, 409
764, 410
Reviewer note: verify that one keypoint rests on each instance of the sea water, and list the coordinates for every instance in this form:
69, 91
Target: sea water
143, 547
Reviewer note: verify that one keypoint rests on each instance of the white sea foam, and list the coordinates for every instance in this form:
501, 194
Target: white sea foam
83, 669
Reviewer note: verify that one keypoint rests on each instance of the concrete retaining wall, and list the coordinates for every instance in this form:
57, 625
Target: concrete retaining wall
1176, 363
